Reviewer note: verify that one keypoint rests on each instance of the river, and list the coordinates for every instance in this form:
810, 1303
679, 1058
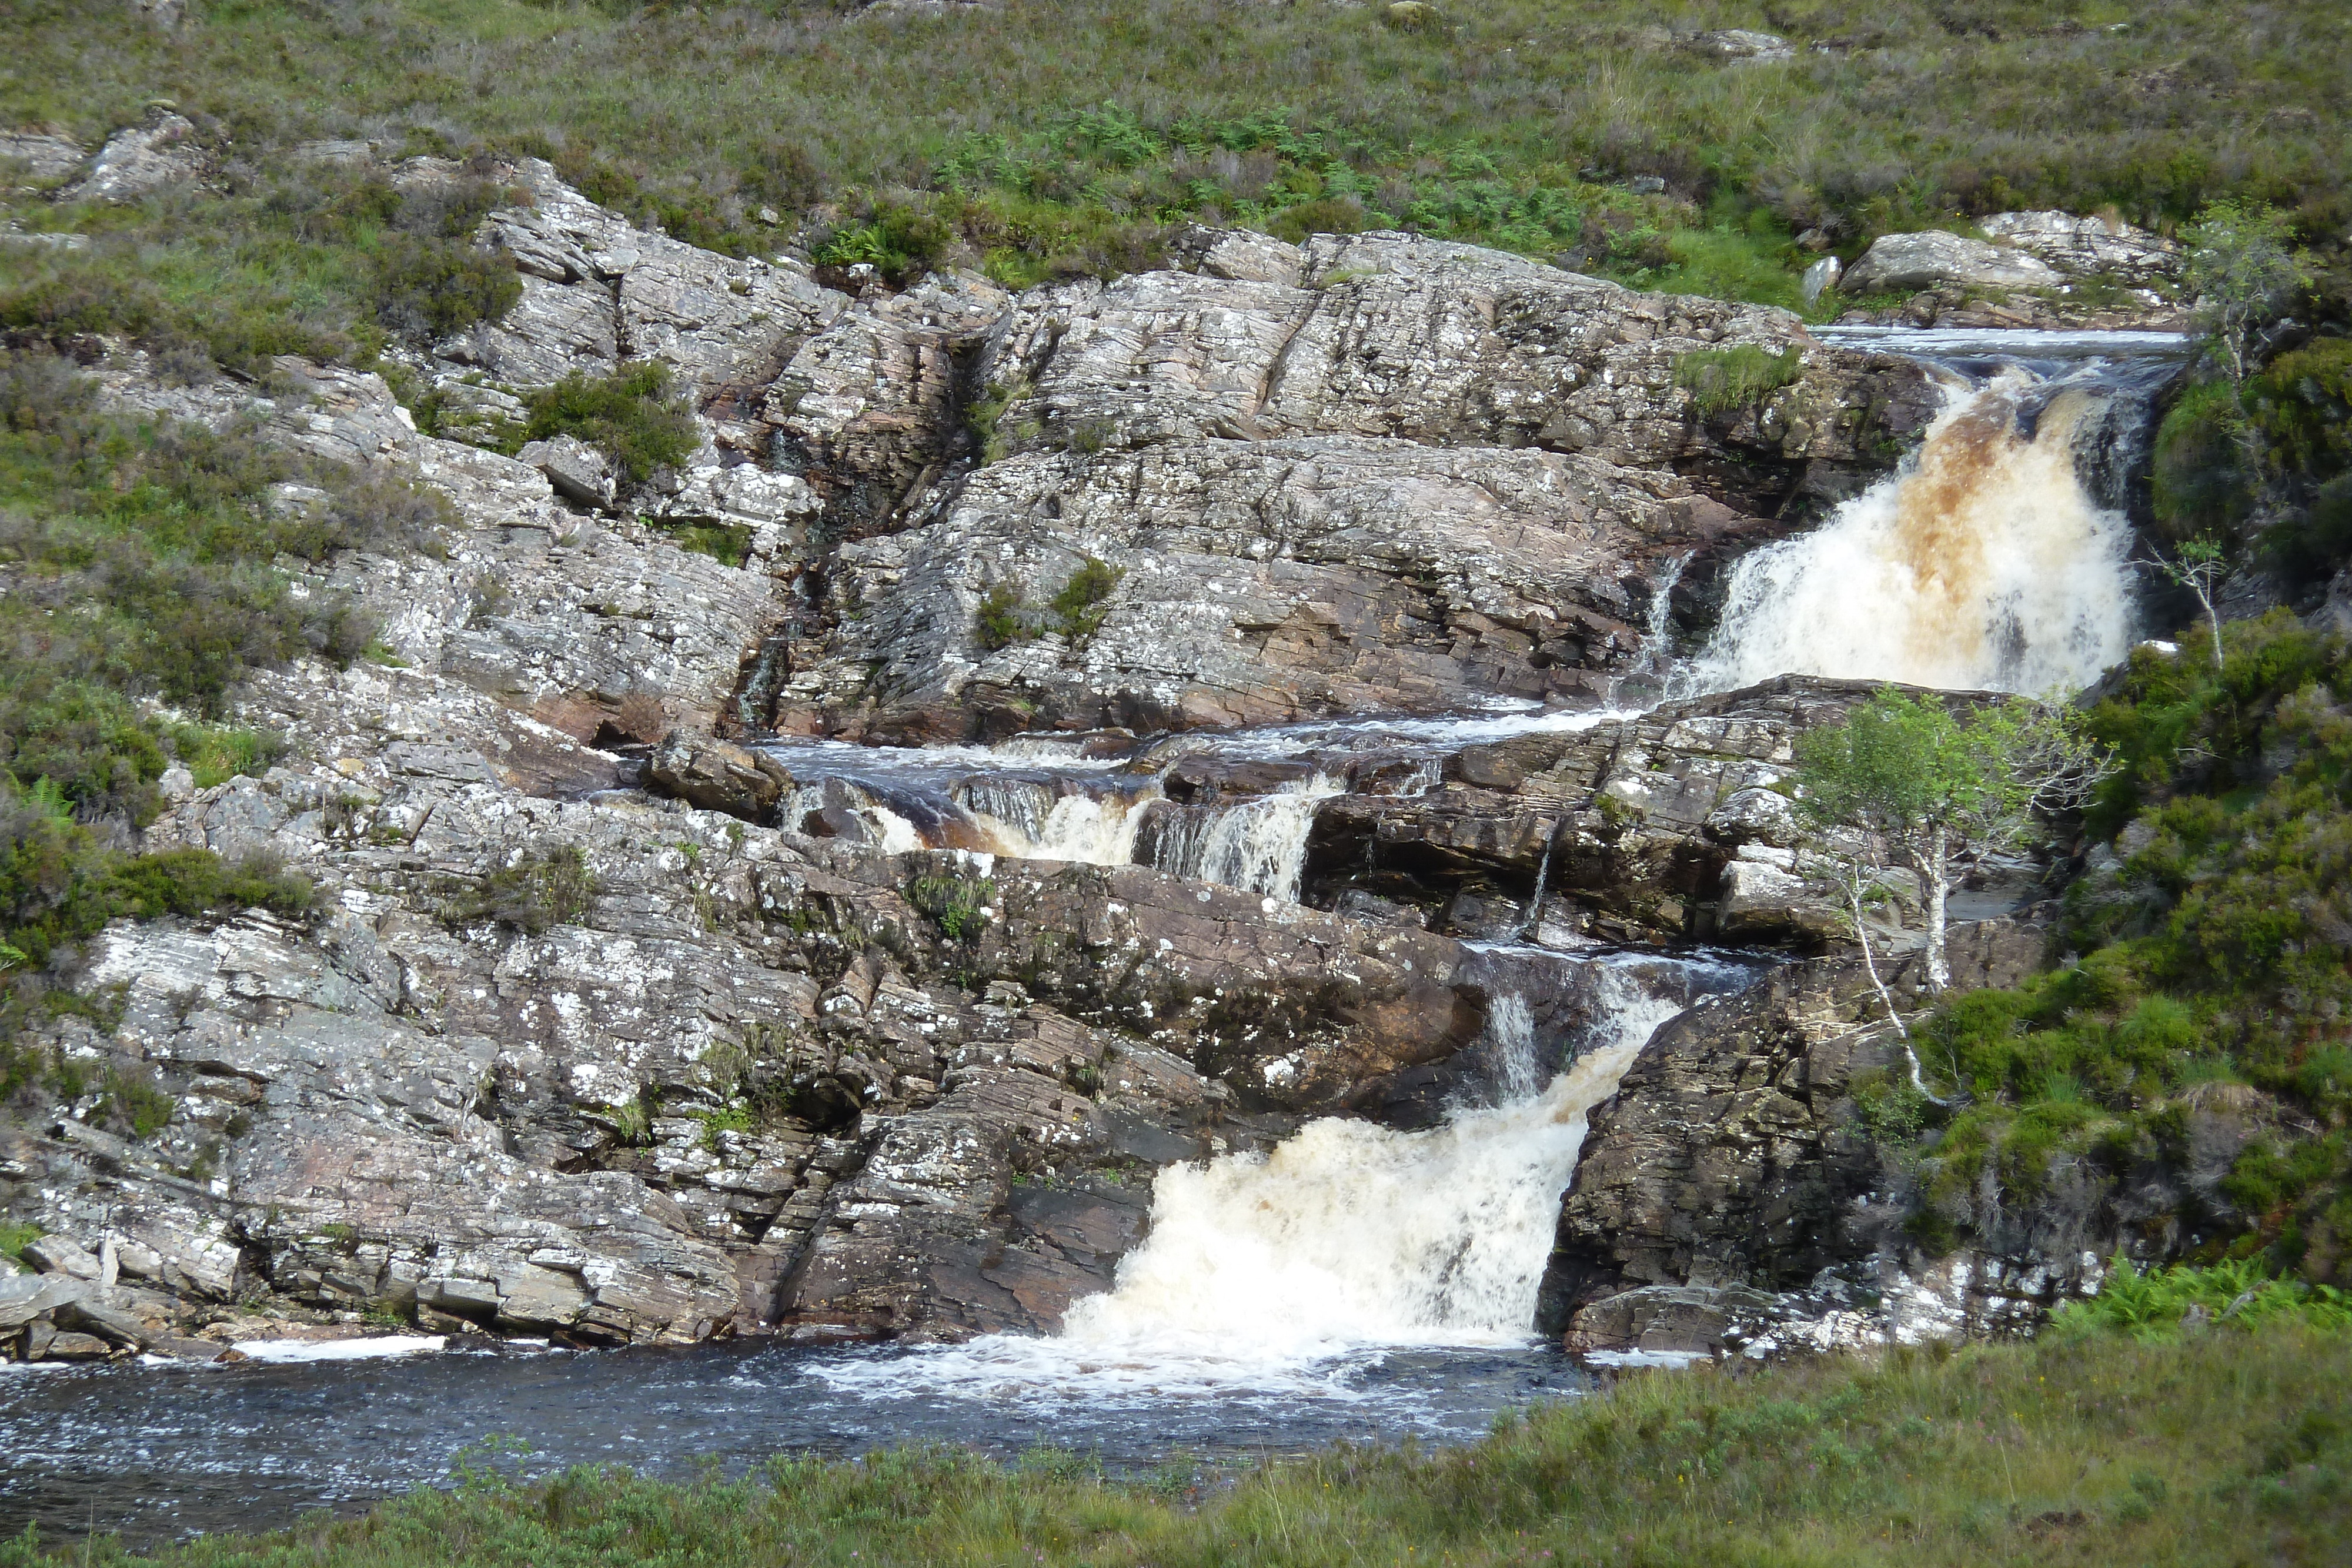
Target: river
1360, 1282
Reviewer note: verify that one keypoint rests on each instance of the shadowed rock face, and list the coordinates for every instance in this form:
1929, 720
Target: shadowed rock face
551, 1056
1731, 1190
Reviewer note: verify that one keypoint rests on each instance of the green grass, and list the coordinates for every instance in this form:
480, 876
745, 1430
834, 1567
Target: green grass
2210, 962
1037, 140
1722, 380
16, 1236
2221, 1445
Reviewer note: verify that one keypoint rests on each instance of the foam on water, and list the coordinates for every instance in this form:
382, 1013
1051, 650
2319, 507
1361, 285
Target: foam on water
369, 1348
1283, 1272
1984, 563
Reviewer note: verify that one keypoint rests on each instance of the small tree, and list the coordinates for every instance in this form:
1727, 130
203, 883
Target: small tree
2198, 565
2242, 276
1902, 782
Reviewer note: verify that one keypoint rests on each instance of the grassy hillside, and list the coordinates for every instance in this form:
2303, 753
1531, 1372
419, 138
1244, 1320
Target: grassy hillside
1033, 138
2224, 1445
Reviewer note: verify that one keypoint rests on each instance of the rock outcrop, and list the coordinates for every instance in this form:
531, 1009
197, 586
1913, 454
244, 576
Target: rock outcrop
598, 291
1371, 472
1733, 1193
547, 1054
1662, 827
1901, 263
158, 152
2082, 246
2027, 276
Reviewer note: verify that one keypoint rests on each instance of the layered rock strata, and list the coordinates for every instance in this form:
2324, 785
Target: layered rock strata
1734, 1194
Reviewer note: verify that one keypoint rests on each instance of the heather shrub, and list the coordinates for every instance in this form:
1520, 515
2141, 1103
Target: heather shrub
636, 416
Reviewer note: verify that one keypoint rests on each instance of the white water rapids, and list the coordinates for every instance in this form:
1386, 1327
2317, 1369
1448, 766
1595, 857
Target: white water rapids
1271, 1271
1986, 561
1983, 564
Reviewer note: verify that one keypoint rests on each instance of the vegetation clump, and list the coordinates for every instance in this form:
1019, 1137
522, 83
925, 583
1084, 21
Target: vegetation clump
2201, 969
1085, 600
538, 892
636, 416
1721, 380
999, 622
961, 907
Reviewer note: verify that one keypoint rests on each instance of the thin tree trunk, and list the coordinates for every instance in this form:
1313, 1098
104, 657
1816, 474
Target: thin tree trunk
1854, 889
1938, 877
2212, 619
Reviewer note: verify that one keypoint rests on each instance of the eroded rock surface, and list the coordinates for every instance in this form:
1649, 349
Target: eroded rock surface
549, 1055
1667, 826
1731, 1192
1372, 472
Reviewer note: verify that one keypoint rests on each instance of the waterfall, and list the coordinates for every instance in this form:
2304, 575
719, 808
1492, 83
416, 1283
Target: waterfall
1029, 820
1983, 563
1534, 922
1657, 632
1511, 1036
1257, 845
1260, 1269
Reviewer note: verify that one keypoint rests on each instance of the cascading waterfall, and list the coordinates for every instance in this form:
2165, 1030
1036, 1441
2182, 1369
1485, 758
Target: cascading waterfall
1657, 631
1984, 564
1029, 820
1258, 845
1269, 1271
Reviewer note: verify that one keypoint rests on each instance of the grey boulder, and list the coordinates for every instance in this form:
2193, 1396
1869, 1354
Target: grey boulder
1933, 259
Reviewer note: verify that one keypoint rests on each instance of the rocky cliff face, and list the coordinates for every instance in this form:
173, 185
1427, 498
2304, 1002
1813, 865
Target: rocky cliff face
551, 1055
1734, 1193
1373, 473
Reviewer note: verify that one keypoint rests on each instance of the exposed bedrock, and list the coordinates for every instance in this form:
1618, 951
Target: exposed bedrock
1732, 1192
1665, 826
623, 1071
1377, 472
547, 1055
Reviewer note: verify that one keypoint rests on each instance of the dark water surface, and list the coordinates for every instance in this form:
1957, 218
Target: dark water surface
159, 1452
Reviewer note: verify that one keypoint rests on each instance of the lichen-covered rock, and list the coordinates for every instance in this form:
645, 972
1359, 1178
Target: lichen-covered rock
45, 156
872, 405
717, 777
577, 470
1729, 1191
598, 291
2089, 246
1896, 263
1258, 580
155, 155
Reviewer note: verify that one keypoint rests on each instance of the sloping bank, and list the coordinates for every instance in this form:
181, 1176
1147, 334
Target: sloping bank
2202, 1444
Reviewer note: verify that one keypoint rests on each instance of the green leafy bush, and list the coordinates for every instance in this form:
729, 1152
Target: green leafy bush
2161, 1302
999, 623
2211, 955
1083, 601
1722, 380
636, 416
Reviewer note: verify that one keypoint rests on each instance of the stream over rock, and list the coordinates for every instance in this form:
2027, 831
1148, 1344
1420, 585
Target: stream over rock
1196, 792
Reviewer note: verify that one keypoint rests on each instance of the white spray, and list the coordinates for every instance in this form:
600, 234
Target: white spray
1262, 1269
1982, 564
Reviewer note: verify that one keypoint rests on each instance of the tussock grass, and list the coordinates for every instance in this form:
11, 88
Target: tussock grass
2222, 1446
1039, 140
